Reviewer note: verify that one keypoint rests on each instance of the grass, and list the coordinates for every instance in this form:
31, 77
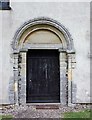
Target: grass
67, 115
81, 114
6, 117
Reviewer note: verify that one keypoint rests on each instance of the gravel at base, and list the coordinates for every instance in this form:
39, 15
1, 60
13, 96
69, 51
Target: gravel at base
31, 111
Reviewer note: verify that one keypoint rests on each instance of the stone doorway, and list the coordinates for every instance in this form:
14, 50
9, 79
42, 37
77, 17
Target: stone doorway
45, 34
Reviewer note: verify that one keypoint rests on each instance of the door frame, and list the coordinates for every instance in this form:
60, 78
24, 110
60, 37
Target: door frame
63, 61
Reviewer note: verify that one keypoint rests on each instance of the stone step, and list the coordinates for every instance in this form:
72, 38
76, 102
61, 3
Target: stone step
47, 107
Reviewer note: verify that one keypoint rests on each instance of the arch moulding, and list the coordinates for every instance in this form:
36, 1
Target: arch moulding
41, 23
66, 56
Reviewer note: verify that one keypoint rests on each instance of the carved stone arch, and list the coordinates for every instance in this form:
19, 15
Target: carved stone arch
35, 24
65, 47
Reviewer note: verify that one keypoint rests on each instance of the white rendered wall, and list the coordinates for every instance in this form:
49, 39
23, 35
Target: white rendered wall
74, 16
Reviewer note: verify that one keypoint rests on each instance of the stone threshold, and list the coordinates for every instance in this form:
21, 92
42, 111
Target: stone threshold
47, 106
44, 105
33, 104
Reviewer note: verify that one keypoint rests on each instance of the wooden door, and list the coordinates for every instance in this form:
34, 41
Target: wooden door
43, 77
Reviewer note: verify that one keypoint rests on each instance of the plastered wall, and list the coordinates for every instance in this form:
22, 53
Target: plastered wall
74, 16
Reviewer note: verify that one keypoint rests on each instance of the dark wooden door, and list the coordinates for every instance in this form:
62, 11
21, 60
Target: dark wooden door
43, 77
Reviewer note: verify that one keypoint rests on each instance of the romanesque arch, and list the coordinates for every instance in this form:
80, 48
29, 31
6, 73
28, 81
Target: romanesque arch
52, 35
44, 23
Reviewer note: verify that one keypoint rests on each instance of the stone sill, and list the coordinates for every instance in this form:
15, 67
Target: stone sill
8, 8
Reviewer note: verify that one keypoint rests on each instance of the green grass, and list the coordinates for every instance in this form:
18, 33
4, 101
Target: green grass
81, 114
6, 117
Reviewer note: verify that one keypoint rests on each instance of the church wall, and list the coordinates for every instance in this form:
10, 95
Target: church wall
74, 16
